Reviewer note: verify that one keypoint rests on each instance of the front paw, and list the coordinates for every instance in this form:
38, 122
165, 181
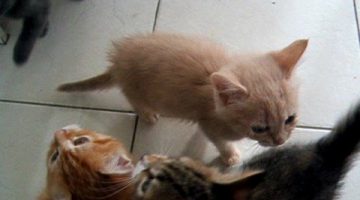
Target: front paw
231, 158
45, 30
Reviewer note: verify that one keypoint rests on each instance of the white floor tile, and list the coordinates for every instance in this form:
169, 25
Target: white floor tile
79, 37
26, 132
329, 73
177, 138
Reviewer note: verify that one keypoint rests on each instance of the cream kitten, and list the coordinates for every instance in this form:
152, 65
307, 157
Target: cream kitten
230, 96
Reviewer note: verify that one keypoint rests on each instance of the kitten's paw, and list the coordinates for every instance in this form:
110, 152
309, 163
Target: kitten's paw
45, 30
20, 57
231, 158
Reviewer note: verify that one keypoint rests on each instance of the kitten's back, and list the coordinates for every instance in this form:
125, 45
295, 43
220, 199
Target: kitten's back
163, 69
172, 67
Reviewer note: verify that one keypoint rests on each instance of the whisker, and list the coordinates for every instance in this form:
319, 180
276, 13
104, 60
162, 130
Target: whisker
117, 189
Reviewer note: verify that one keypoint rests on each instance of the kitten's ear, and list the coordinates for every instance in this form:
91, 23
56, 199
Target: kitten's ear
228, 91
289, 56
240, 188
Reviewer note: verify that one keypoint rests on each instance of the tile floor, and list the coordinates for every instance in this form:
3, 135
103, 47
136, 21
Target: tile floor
81, 33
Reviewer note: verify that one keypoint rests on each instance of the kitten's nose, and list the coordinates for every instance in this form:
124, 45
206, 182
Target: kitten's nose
60, 135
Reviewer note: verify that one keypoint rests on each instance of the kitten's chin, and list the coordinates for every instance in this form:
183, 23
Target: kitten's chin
266, 144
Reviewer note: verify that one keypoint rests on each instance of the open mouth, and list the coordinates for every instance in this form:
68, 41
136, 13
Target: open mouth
123, 162
119, 164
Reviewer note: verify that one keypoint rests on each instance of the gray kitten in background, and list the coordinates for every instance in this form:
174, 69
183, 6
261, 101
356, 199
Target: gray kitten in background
35, 24
35, 15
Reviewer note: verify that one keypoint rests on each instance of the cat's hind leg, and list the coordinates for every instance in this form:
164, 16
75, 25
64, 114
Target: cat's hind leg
147, 114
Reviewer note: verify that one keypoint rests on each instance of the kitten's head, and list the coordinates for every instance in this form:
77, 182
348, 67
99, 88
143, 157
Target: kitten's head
83, 164
257, 97
160, 177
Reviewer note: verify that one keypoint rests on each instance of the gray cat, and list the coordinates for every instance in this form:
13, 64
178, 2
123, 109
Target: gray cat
35, 24
303, 172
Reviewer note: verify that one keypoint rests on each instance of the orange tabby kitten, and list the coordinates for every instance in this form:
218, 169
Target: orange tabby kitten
230, 96
84, 165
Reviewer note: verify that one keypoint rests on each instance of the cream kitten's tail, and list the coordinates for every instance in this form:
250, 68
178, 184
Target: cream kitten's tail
99, 82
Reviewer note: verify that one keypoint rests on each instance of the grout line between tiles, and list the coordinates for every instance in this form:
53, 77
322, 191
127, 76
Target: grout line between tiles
117, 111
314, 127
156, 15
134, 134
63, 106
357, 20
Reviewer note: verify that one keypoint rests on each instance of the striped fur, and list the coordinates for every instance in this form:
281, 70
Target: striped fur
185, 179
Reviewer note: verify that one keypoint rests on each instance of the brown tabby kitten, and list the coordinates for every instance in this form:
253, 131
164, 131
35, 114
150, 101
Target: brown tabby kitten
299, 172
159, 177
84, 165
230, 96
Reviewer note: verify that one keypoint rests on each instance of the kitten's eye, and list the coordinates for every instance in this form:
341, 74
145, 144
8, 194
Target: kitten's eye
80, 141
260, 129
54, 156
145, 186
290, 119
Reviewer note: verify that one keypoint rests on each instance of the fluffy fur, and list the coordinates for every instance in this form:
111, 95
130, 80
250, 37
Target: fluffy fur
307, 172
230, 96
84, 165
186, 179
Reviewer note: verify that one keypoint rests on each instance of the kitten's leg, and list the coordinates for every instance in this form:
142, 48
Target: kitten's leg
147, 115
228, 151
32, 28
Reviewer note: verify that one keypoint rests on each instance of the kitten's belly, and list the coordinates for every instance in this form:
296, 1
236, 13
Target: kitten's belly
170, 102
